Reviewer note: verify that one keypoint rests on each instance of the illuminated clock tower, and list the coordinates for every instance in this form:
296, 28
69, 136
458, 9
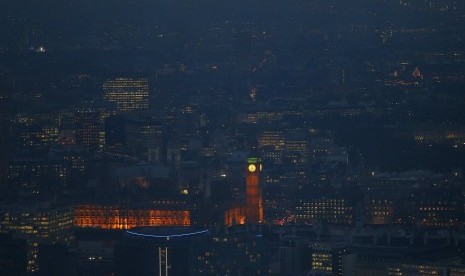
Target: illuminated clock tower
254, 208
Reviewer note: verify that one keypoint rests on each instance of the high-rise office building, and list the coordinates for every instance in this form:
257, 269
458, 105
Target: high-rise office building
295, 148
144, 138
88, 130
128, 94
273, 139
29, 176
329, 259
37, 224
115, 131
330, 210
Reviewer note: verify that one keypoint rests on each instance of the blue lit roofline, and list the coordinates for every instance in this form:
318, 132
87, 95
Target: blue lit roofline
169, 236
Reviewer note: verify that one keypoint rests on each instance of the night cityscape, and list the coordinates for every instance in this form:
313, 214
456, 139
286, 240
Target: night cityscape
232, 137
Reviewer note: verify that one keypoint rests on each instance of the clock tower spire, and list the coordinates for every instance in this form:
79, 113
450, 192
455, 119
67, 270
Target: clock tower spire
254, 208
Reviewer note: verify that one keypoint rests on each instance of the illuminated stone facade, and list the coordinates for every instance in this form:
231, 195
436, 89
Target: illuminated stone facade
235, 215
252, 212
117, 217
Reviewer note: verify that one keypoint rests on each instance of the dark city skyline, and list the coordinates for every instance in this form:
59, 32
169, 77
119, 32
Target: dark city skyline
179, 137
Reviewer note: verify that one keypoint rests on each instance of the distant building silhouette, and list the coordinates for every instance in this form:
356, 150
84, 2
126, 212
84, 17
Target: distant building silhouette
88, 130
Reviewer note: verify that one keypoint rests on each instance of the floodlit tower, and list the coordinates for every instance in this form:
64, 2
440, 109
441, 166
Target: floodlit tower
254, 208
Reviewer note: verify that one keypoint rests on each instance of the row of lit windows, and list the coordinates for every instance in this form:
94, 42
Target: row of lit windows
382, 213
436, 209
380, 201
379, 207
147, 214
327, 201
131, 224
326, 216
127, 93
323, 207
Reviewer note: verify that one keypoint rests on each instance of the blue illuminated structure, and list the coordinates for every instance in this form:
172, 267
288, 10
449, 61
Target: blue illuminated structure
167, 236
158, 251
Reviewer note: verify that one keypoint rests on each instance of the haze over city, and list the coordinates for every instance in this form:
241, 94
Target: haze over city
281, 137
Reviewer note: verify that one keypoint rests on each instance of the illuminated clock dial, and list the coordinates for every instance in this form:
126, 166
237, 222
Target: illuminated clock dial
252, 168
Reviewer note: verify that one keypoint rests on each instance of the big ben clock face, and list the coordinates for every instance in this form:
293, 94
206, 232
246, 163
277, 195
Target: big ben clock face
252, 168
